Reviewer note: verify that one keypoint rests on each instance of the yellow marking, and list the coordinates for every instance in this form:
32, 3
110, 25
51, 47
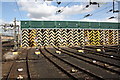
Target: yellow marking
59, 52
98, 49
81, 51
37, 53
15, 53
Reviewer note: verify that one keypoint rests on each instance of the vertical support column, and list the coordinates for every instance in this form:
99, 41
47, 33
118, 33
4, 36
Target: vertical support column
0, 45
15, 35
118, 37
0, 57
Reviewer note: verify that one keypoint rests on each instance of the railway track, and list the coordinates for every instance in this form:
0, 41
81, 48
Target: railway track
15, 74
106, 50
88, 55
102, 54
70, 62
27, 67
66, 67
7, 46
90, 60
103, 68
8, 43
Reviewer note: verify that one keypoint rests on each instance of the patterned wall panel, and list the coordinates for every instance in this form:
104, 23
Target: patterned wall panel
39, 37
86, 37
57, 37
119, 37
69, 37
75, 37
102, 37
33, 37
111, 37
25, 38
81, 37
116, 37
64, 37
45, 37
52, 35
97, 37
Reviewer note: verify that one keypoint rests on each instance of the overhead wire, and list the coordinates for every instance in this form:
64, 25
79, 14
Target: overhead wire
92, 14
100, 11
18, 9
61, 10
87, 15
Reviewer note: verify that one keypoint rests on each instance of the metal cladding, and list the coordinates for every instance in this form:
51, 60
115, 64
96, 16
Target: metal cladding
68, 36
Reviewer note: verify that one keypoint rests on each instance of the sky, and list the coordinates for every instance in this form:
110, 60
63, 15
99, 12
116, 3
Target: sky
46, 10
40, 10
